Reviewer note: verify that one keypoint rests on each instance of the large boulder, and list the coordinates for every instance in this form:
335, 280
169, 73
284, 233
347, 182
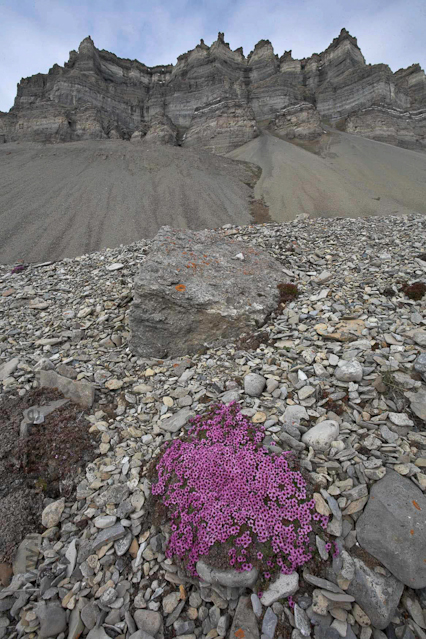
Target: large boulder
392, 528
197, 287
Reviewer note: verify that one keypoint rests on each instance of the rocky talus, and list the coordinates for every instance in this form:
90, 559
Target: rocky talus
218, 98
337, 375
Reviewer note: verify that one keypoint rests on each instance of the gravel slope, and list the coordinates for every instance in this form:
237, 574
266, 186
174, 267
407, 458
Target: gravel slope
346, 176
70, 199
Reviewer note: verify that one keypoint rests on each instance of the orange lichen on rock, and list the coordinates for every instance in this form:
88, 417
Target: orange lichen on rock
416, 505
180, 287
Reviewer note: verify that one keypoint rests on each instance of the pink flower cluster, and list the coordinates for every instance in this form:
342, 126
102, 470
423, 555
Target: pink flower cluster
221, 486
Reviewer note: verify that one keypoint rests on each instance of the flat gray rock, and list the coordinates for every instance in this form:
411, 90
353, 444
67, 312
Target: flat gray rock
269, 624
349, 371
81, 393
377, 595
392, 528
8, 368
418, 402
109, 534
53, 621
282, 587
191, 291
227, 578
177, 421
420, 365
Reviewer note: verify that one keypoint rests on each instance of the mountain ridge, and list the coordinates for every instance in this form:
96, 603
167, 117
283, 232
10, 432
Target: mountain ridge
217, 98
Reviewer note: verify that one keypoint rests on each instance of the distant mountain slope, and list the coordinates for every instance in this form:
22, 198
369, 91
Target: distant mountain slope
348, 176
68, 199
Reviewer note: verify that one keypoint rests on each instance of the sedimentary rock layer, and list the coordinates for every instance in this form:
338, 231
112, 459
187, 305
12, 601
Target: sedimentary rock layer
216, 98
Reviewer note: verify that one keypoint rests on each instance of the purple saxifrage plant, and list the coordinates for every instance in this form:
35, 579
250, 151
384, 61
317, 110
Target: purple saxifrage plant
221, 486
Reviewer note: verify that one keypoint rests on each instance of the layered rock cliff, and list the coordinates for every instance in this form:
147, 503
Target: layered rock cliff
217, 98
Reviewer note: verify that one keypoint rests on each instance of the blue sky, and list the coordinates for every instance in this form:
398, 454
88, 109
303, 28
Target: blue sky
36, 34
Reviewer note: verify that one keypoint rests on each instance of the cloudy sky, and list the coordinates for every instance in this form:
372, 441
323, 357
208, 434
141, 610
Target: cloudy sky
37, 33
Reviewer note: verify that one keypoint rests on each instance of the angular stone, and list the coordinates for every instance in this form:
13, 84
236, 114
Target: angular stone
321, 435
170, 602
420, 338
283, 586
177, 421
392, 528
269, 624
256, 605
81, 393
121, 546
244, 625
377, 594
420, 365
418, 402
51, 515
8, 368
190, 290
107, 535
349, 371
324, 584
301, 620
400, 419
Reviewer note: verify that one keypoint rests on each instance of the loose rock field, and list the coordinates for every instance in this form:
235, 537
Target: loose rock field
337, 375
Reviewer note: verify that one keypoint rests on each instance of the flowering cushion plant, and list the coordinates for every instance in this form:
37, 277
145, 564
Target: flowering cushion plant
220, 486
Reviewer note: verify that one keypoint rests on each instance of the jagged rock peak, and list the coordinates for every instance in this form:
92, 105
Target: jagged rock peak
86, 44
215, 97
343, 35
286, 56
221, 40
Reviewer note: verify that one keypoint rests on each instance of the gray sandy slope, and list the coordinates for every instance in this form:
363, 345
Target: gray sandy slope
346, 176
69, 199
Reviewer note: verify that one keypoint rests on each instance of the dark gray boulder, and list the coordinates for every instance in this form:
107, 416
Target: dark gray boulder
392, 528
197, 287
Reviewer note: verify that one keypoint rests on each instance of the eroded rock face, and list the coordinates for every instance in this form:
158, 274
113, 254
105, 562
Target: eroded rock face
390, 125
161, 130
218, 97
221, 126
193, 289
301, 121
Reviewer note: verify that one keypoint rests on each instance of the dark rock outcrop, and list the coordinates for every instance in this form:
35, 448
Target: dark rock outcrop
300, 121
216, 98
221, 126
197, 287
